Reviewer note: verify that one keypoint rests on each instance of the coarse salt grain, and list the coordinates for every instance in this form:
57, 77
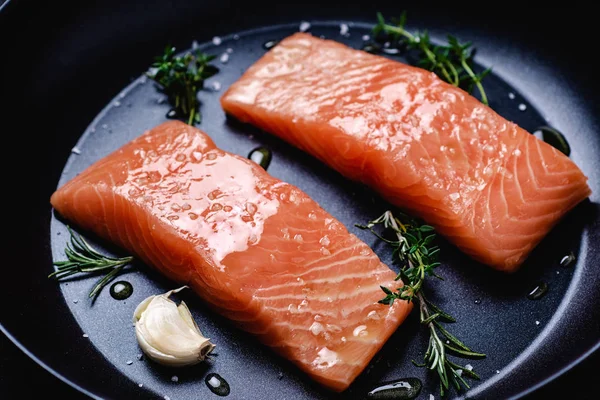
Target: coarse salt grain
344, 29
304, 26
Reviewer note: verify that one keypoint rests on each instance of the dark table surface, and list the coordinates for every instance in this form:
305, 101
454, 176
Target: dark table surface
22, 378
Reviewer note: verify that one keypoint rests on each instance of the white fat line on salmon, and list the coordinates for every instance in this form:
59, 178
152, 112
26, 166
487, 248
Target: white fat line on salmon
326, 299
335, 279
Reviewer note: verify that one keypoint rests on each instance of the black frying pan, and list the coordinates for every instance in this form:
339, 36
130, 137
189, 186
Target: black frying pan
62, 64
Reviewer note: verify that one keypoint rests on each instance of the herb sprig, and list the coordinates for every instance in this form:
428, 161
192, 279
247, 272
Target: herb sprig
415, 249
181, 78
452, 62
82, 258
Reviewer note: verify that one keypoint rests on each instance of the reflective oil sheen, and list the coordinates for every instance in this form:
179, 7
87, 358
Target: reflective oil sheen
538, 291
262, 156
217, 384
401, 389
121, 290
211, 197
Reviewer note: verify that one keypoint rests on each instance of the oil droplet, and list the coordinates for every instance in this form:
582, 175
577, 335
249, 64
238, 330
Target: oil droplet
568, 260
217, 384
555, 139
268, 45
261, 156
121, 290
360, 330
390, 50
404, 389
538, 291
371, 48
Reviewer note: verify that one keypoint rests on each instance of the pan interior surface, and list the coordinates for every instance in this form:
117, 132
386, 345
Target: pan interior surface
487, 305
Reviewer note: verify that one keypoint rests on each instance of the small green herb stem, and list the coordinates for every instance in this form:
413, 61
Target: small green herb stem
476, 79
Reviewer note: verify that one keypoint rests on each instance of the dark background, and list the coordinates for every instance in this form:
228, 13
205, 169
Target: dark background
39, 37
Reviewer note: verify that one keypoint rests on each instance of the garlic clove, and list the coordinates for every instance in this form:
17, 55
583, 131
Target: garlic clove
168, 334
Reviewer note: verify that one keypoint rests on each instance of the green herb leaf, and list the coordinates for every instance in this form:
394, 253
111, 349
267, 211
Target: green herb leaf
452, 62
418, 254
181, 78
82, 258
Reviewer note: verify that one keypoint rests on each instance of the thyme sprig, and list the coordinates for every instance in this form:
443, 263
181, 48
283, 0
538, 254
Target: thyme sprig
452, 62
416, 251
181, 78
82, 258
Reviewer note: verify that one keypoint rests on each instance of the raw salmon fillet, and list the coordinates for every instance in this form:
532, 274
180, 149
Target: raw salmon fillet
489, 186
258, 250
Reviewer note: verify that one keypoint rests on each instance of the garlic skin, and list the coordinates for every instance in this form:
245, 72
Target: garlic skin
167, 333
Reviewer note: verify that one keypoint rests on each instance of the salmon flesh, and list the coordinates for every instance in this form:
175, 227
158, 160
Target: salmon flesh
487, 185
257, 250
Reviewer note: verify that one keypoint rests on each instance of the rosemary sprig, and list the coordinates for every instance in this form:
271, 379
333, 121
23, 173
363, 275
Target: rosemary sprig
452, 62
82, 258
416, 251
181, 78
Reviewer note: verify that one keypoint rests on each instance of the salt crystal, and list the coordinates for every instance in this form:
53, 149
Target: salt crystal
75, 150
469, 367
140, 356
85, 335
344, 29
304, 26
129, 362
216, 86
224, 58
537, 322
497, 371
366, 37
431, 397
454, 196
229, 50
511, 96
522, 107
195, 44
167, 397
122, 95
174, 378
141, 384
216, 40
117, 103
75, 301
